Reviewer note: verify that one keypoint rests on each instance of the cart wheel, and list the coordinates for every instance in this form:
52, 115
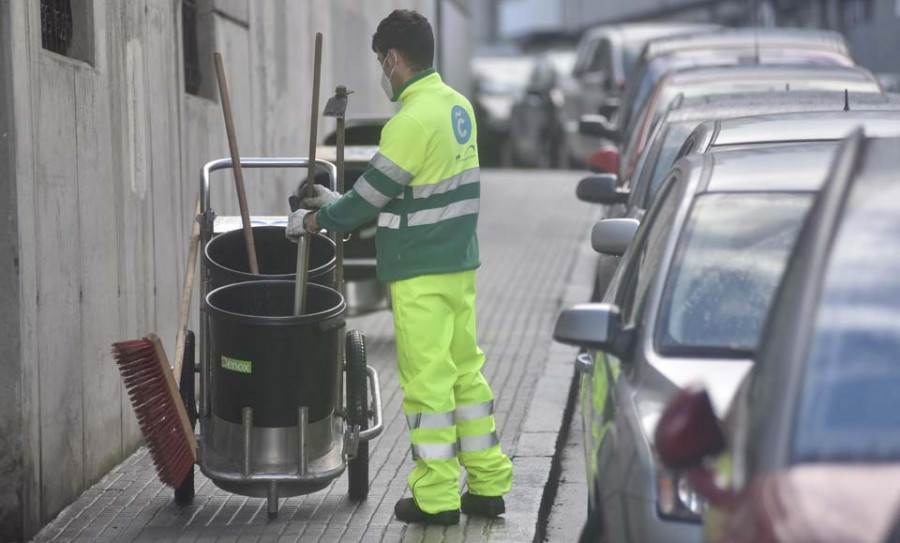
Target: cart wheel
184, 494
358, 412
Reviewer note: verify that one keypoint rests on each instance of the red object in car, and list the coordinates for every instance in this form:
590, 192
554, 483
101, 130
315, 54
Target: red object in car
688, 430
604, 160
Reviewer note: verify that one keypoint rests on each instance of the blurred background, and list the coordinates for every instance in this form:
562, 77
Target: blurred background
540, 64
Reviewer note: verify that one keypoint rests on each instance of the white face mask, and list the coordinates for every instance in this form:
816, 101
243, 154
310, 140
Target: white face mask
386, 79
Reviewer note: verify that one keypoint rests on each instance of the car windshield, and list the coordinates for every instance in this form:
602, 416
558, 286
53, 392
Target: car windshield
726, 268
502, 75
849, 407
563, 62
672, 142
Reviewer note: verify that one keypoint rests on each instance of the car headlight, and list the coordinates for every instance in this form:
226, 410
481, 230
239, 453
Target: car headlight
677, 499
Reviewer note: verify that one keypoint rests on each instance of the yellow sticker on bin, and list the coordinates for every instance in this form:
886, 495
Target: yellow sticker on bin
240, 366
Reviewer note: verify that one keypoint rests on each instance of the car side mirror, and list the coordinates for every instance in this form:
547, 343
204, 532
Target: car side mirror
613, 236
604, 160
601, 189
593, 326
598, 126
688, 430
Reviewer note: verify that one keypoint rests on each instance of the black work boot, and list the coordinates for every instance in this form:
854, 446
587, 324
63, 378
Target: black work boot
482, 506
408, 511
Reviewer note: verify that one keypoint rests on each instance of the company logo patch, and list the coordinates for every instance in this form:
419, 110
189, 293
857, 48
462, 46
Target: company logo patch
462, 124
240, 366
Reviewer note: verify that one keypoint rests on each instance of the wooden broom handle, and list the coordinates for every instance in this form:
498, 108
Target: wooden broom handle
314, 116
236, 164
187, 290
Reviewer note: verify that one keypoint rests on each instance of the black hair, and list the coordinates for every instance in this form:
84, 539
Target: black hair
409, 32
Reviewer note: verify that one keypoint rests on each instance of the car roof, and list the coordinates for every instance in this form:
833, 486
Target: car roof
768, 38
801, 168
700, 74
760, 103
632, 32
809, 126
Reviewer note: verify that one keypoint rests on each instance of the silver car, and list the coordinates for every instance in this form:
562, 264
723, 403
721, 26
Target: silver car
685, 305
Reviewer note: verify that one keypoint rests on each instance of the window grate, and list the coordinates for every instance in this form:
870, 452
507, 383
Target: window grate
56, 25
193, 77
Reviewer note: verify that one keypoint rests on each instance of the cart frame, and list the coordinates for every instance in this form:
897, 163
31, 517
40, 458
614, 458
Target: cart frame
308, 474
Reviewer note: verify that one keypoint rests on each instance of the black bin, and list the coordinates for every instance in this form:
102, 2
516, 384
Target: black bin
226, 257
265, 358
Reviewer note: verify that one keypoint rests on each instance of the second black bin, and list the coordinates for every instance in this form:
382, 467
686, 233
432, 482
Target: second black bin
226, 257
265, 358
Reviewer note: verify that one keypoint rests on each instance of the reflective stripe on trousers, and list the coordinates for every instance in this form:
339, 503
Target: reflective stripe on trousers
471, 443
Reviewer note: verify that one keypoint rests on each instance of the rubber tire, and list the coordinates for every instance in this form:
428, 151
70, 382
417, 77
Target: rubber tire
357, 412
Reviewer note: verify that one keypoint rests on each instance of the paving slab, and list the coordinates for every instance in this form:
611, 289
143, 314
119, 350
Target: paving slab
532, 234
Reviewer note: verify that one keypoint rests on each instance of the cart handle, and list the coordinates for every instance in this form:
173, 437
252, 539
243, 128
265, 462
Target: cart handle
374, 431
286, 162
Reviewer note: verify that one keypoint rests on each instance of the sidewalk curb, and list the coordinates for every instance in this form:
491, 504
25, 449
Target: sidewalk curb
549, 412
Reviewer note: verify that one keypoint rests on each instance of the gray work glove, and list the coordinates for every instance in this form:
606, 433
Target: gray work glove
296, 227
317, 198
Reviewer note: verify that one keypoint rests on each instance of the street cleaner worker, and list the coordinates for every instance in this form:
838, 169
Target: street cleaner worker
423, 186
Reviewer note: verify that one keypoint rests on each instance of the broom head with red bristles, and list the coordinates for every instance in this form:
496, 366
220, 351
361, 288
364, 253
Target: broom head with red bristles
157, 403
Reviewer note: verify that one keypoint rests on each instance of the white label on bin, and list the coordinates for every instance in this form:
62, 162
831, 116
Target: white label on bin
240, 366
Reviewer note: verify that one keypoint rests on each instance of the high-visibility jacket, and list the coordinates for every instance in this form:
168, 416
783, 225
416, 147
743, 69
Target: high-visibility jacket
423, 185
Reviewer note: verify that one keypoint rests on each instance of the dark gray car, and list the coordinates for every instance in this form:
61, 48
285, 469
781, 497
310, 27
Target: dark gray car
709, 81
769, 46
686, 304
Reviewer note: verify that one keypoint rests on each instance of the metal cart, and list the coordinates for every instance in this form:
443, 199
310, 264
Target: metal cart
278, 451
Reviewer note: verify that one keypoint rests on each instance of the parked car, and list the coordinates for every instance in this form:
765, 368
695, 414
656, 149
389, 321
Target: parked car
536, 123
604, 60
629, 198
686, 304
709, 81
770, 46
810, 450
499, 81
673, 136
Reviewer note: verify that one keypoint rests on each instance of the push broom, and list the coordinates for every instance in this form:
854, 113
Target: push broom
143, 364
150, 383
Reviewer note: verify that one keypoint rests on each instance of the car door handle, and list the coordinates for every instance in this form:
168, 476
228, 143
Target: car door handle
584, 363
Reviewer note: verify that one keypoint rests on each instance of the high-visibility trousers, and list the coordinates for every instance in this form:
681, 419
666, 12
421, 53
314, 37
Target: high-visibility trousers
447, 401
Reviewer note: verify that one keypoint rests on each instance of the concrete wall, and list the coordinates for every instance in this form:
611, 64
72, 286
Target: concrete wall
106, 158
11, 442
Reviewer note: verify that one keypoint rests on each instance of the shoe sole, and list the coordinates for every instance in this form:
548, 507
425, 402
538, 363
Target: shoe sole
493, 512
437, 520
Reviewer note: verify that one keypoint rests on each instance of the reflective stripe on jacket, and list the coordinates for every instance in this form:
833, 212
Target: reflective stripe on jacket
423, 185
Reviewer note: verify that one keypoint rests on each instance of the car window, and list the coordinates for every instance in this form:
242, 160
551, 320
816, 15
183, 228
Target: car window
631, 52
668, 153
584, 55
727, 266
646, 262
849, 405
600, 59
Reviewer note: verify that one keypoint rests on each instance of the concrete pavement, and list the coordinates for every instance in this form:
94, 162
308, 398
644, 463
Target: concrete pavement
532, 233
